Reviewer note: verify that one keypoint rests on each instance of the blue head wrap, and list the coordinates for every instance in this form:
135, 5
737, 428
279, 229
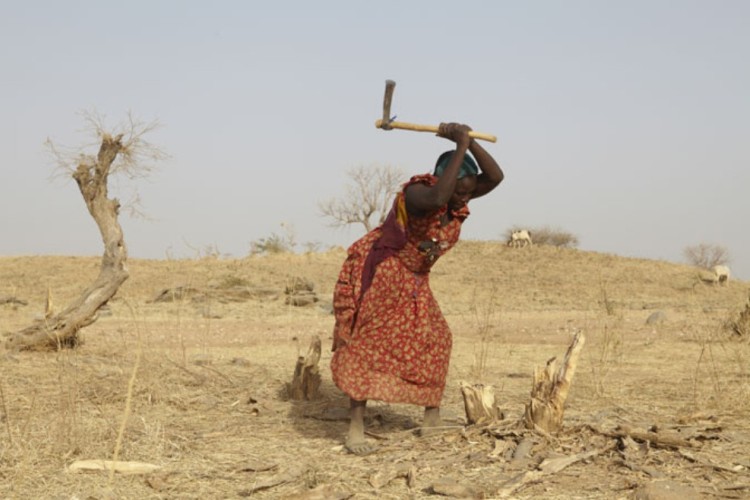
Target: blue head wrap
468, 167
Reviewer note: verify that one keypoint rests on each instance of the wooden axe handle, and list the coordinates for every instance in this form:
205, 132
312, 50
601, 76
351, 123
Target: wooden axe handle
433, 129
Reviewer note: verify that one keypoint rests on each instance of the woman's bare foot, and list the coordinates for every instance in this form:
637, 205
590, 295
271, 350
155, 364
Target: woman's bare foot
358, 447
355, 440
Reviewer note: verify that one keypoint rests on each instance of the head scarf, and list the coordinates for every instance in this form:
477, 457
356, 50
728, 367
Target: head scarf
468, 166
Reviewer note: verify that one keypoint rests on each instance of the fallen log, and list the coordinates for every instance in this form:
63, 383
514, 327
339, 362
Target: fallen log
658, 440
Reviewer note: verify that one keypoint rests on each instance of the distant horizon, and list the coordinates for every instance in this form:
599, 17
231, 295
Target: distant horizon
326, 248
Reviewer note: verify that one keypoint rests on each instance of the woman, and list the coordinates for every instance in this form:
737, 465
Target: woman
391, 341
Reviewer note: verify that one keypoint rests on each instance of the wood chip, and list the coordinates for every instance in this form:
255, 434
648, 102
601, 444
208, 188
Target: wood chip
452, 488
118, 466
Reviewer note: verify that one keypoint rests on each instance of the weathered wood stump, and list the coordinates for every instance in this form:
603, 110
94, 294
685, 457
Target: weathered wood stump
550, 390
479, 403
306, 380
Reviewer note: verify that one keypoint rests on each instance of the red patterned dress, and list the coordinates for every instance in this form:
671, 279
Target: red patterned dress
392, 343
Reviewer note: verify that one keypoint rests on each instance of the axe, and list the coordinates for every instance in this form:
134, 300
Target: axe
388, 123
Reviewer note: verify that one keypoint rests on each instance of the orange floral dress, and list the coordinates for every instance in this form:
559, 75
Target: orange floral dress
391, 341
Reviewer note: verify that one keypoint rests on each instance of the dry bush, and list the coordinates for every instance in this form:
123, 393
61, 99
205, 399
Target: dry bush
705, 255
721, 362
605, 300
276, 243
740, 325
485, 312
554, 237
546, 235
606, 345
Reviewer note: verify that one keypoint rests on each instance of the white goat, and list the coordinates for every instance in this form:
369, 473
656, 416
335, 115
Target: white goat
722, 273
519, 238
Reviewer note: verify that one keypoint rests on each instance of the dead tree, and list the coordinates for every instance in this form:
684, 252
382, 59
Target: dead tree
91, 175
370, 194
550, 390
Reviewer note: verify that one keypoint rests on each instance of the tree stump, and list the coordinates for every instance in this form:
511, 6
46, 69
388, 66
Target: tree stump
306, 380
550, 390
479, 403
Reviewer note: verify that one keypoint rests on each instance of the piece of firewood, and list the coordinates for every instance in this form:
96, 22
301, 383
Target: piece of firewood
659, 440
116, 465
547, 467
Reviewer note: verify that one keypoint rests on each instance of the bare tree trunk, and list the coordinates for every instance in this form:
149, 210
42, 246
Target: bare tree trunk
61, 330
550, 390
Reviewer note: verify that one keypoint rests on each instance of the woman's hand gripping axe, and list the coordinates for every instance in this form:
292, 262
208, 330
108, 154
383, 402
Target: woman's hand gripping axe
388, 123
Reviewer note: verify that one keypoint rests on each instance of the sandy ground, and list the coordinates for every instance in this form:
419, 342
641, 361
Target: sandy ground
197, 386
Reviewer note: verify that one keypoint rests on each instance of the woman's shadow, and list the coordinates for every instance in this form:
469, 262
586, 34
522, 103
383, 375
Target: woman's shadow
326, 415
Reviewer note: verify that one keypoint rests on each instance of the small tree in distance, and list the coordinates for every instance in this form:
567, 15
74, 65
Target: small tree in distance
367, 199
706, 256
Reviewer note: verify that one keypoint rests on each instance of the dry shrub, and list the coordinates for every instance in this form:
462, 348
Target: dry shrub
546, 235
484, 311
740, 325
276, 243
606, 347
720, 372
705, 255
554, 237
606, 300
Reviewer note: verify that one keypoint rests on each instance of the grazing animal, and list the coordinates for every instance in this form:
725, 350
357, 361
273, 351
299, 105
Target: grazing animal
721, 273
520, 238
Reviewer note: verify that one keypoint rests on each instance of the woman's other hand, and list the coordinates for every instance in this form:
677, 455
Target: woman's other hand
456, 132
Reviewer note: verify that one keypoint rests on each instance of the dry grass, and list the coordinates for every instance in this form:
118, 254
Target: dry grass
196, 387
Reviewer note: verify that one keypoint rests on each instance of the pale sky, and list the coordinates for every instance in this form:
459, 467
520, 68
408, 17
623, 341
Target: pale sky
626, 123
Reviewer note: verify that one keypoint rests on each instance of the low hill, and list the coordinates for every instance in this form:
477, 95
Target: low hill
528, 279
187, 369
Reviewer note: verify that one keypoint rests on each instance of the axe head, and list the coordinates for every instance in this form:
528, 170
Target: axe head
385, 123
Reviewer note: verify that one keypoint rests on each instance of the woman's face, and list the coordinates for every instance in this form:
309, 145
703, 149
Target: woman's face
462, 194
